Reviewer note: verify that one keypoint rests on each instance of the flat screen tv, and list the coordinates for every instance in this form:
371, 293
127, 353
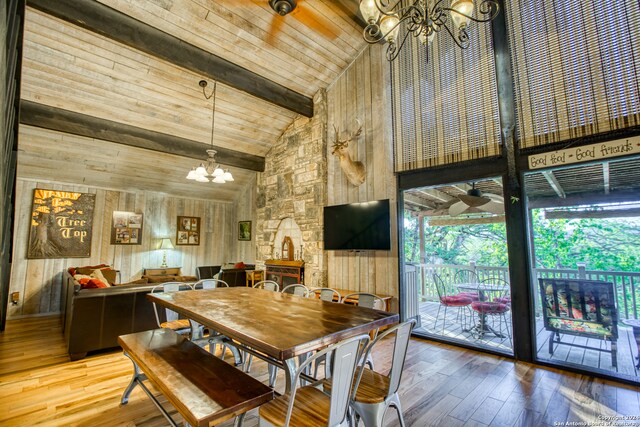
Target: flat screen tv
358, 226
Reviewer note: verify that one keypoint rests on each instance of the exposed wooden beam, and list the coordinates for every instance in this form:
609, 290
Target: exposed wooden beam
101, 19
553, 182
611, 213
583, 199
465, 221
44, 116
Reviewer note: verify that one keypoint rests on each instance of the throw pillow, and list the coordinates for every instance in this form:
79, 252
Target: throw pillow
239, 265
92, 284
97, 274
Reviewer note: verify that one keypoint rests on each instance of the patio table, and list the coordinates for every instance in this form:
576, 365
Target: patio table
484, 289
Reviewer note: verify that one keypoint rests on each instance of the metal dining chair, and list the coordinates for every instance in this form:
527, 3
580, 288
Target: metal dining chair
364, 299
210, 284
326, 294
171, 318
296, 289
268, 285
214, 338
377, 392
368, 300
309, 405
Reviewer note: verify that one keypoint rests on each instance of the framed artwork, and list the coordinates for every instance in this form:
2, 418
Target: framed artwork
126, 228
244, 230
188, 232
61, 223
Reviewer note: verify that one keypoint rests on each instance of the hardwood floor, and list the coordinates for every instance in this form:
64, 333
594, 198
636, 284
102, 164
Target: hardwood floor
442, 386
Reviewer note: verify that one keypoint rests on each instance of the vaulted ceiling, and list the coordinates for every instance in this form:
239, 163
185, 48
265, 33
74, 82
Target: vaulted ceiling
117, 70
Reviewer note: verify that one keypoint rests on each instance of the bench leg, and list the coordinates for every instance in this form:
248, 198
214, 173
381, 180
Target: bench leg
134, 381
239, 420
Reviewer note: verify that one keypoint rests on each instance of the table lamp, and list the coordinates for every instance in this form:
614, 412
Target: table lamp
164, 245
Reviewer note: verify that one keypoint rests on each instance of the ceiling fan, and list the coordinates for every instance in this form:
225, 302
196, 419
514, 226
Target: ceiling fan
474, 198
303, 14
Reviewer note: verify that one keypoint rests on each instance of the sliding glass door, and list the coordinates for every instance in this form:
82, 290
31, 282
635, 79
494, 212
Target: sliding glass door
585, 249
455, 263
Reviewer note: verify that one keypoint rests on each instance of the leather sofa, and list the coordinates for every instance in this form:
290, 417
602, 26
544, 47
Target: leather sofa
236, 276
94, 318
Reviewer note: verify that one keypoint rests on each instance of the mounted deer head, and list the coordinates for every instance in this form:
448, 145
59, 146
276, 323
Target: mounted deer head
354, 169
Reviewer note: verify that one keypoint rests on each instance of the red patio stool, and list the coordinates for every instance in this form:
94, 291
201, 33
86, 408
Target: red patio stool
495, 309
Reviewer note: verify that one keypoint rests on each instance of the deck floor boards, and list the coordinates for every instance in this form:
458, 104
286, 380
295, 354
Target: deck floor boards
587, 358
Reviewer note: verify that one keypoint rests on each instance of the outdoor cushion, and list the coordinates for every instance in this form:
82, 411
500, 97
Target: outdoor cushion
456, 300
489, 307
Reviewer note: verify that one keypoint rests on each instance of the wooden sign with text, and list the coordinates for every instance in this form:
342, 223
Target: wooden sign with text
61, 224
586, 153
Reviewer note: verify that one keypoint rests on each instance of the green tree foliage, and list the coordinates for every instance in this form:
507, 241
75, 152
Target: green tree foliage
609, 244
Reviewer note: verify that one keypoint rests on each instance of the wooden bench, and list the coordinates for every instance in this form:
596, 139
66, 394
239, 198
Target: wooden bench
584, 308
204, 389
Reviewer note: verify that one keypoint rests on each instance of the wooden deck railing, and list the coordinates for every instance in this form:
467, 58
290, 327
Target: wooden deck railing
626, 284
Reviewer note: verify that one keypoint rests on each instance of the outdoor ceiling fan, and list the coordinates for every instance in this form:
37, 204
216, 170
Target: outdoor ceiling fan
475, 198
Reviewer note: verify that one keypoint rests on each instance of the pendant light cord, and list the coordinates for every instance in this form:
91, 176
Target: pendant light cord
213, 108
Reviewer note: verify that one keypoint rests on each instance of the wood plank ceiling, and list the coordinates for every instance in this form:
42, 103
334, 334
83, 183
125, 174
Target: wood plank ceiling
71, 71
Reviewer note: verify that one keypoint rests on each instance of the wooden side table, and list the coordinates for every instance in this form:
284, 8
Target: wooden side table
254, 276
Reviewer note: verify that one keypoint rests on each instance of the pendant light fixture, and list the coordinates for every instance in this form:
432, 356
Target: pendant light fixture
210, 170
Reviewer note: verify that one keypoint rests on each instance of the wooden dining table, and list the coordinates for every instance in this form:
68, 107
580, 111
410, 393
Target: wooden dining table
280, 326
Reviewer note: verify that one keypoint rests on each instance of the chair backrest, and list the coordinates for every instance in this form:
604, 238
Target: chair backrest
579, 307
495, 286
465, 276
296, 289
210, 284
207, 271
402, 333
326, 294
440, 288
365, 299
268, 285
346, 357
170, 315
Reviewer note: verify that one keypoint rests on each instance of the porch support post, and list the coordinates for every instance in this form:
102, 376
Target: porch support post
514, 198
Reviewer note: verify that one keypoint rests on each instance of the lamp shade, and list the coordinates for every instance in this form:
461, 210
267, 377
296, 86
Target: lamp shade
166, 244
463, 7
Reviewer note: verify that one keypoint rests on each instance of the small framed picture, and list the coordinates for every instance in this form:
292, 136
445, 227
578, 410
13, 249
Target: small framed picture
244, 230
188, 232
126, 228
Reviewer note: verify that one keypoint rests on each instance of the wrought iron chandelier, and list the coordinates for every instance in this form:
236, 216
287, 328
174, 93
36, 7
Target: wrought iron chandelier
210, 170
422, 20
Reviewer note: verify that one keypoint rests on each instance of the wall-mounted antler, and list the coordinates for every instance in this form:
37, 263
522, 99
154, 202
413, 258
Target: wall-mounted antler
354, 169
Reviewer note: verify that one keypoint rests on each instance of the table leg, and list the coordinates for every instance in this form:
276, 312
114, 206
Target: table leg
290, 367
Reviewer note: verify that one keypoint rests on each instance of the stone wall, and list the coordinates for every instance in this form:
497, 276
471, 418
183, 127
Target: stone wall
294, 185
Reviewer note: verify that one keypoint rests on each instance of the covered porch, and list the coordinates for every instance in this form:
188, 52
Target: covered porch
419, 279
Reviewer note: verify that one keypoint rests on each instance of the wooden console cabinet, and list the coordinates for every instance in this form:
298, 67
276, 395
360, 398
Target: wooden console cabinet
284, 272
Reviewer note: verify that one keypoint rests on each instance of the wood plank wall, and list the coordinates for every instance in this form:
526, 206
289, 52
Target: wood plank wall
11, 24
246, 210
363, 93
39, 281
